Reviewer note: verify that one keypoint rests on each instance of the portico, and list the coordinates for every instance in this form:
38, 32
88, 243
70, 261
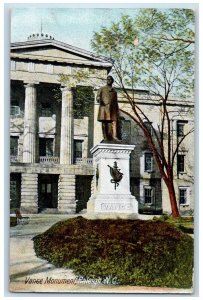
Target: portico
42, 126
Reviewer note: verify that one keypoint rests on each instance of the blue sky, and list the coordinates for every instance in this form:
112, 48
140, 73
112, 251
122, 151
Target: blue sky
74, 26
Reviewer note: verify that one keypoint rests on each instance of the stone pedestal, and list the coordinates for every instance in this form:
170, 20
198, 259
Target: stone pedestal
108, 198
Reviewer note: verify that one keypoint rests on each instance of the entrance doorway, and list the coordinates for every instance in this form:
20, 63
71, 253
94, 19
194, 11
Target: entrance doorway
48, 192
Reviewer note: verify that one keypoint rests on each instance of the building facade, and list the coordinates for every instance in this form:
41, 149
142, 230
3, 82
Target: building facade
52, 132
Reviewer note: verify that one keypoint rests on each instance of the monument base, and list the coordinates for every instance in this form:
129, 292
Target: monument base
115, 216
109, 203
111, 207
111, 199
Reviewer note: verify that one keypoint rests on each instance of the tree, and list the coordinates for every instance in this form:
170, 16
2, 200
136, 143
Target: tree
174, 25
154, 51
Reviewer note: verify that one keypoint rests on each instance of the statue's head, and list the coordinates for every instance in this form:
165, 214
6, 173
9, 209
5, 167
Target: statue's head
110, 80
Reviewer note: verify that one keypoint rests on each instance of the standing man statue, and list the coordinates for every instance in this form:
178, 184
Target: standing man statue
108, 111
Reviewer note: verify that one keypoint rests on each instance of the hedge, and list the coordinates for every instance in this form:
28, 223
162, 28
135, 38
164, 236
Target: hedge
135, 252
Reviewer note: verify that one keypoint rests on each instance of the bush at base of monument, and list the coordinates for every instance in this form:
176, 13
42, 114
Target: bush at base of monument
135, 252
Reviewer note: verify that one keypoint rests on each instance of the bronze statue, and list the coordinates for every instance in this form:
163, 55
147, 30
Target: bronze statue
108, 111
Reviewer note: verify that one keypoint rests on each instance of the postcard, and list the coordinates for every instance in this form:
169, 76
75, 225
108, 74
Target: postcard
102, 149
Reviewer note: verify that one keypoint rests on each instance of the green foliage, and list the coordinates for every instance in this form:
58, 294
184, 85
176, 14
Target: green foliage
185, 224
163, 217
73, 79
83, 103
135, 252
154, 51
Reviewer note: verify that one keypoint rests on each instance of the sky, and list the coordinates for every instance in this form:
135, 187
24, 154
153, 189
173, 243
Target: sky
74, 26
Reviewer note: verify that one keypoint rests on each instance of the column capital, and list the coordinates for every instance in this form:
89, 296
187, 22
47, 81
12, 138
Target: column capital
65, 88
30, 84
95, 91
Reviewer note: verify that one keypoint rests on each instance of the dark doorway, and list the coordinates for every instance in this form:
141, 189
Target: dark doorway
15, 190
83, 191
48, 192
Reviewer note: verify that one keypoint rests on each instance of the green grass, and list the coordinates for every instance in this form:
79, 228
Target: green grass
135, 252
185, 224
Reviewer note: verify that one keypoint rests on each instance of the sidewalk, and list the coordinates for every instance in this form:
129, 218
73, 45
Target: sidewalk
31, 274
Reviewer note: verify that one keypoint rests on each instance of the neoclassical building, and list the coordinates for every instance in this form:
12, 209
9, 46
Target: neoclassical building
52, 132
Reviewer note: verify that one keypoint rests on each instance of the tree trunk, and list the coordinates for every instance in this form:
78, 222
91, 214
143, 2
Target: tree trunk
172, 196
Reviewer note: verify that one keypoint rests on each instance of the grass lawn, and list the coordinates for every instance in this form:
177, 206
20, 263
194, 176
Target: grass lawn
185, 223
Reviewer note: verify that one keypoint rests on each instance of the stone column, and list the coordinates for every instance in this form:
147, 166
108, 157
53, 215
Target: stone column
66, 194
29, 193
30, 124
98, 136
66, 147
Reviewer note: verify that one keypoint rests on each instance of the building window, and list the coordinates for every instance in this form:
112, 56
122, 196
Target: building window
50, 69
14, 145
46, 187
149, 195
46, 147
15, 110
148, 162
181, 128
184, 195
77, 149
180, 163
46, 110
31, 67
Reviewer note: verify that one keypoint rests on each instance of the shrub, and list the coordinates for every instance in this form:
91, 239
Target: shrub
135, 252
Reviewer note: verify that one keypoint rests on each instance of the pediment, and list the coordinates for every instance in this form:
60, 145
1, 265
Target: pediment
56, 51
51, 52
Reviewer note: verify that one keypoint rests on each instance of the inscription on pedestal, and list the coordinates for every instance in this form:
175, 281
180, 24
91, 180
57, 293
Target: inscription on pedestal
104, 207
